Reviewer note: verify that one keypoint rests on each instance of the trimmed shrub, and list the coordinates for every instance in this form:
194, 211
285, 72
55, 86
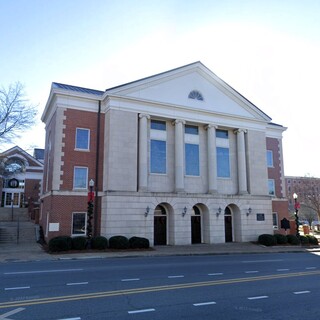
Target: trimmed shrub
267, 240
79, 243
61, 243
99, 243
139, 243
118, 242
281, 239
292, 239
304, 240
312, 239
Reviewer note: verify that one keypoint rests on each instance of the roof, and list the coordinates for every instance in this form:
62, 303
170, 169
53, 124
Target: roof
77, 89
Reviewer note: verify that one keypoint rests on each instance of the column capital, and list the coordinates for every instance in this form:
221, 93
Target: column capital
144, 115
240, 130
211, 126
177, 121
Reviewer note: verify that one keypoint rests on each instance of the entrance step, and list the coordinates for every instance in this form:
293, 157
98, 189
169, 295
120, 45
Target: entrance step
13, 214
17, 232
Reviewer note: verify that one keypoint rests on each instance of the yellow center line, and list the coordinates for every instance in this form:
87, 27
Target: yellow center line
104, 294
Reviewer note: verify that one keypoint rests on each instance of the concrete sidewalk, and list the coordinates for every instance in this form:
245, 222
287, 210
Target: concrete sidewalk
34, 252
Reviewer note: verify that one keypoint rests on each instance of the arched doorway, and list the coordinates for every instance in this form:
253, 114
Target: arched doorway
160, 226
195, 225
228, 225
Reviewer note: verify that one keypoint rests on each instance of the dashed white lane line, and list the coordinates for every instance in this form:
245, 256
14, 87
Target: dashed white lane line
311, 268
132, 279
174, 277
201, 304
283, 269
71, 319
42, 271
215, 274
253, 271
77, 283
17, 288
258, 297
141, 311
261, 261
301, 292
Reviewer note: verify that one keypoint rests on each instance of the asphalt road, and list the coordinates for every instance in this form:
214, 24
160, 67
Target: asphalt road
271, 286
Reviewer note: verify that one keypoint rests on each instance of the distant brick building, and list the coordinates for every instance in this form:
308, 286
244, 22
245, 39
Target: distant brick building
21, 179
308, 192
179, 158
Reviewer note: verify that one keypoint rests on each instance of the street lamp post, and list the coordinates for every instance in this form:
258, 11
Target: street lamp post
90, 210
296, 208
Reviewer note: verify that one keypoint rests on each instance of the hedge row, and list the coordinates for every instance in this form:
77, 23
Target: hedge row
66, 243
271, 240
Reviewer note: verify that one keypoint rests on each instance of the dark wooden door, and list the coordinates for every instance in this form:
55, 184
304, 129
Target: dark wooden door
160, 230
228, 228
196, 229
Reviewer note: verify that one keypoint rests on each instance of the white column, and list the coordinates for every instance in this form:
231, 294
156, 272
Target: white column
242, 168
212, 158
179, 155
143, 151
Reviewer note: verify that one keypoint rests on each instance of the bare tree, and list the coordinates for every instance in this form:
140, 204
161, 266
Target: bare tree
16, 112
308, 189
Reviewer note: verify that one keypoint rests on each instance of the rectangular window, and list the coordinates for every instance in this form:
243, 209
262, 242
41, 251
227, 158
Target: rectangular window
223, 162
271, 187
222, 134
82, 139
158, 147
80, 178
79, 226
192, 159
269, 159
158, 125
191, 129
158, 156
275, 220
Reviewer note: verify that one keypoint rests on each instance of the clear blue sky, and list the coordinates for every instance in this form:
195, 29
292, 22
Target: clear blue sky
267, 50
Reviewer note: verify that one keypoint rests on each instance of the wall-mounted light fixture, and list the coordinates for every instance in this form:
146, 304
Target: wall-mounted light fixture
147, 211
184, 211
249, 212
219, 212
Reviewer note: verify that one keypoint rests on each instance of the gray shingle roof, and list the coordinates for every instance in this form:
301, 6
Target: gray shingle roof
78, 89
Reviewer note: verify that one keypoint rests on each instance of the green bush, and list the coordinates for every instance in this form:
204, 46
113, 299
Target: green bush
281, 239
304, 240
99, 243
79, 243
139, 243
118, 242
292, 239
61, 243
312, 239
267, 240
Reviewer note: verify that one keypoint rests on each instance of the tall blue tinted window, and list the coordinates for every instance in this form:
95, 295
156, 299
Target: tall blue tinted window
222, 134
191, 129
82, 139
192, 159
269, 158
158, 125
223, 162
80, 178
158, 156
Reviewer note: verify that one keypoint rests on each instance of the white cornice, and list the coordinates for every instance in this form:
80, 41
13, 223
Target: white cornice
171, 111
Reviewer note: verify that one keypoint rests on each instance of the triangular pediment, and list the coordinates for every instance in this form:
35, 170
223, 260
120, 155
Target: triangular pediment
17, 152
192, 86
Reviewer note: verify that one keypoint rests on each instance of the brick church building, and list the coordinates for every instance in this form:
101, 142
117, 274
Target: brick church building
179, 157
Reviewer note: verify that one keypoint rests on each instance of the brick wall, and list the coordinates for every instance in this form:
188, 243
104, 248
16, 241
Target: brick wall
275, 172
87, 120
